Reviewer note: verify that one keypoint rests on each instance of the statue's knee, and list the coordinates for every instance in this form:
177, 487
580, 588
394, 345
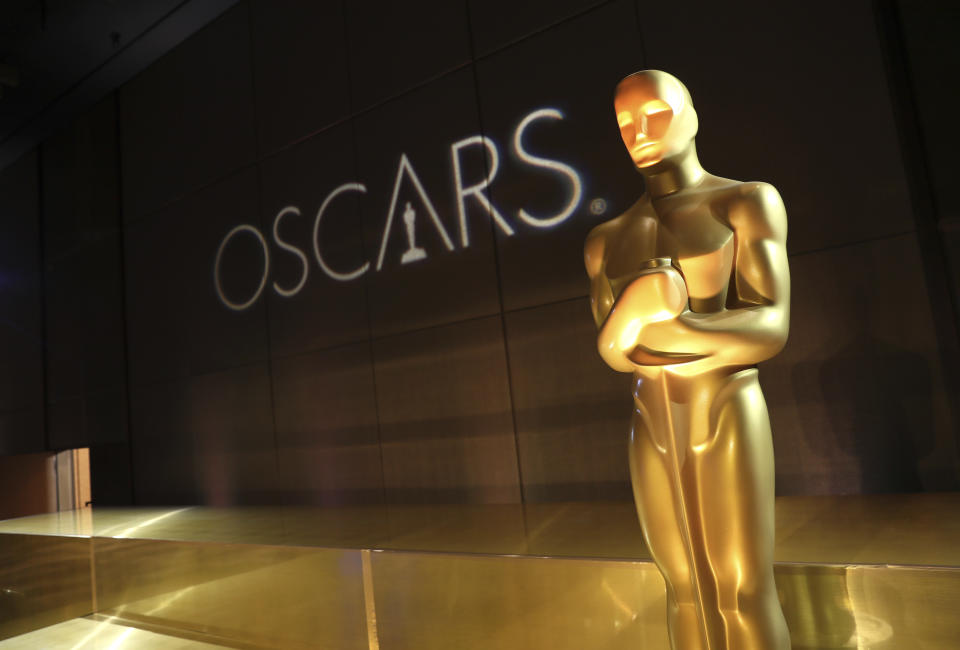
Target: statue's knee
748, 600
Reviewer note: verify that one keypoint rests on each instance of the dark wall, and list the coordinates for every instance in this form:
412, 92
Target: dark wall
83, 284
470, 374
21, 305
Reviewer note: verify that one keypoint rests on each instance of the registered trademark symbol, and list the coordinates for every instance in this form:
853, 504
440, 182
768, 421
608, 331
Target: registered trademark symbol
598, 206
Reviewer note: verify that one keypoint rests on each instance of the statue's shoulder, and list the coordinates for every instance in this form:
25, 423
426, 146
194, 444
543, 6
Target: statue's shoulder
601, 231
756, 205
599, 238
595, 245
638, 212
731, 191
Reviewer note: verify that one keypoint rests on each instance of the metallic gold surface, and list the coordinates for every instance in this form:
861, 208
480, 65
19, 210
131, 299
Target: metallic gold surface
90, 634
899, 529
585, 530
571, 575
43, 580
442, 600
427, 601
881, 529
369, 602
690, 290
265, 596
473, 603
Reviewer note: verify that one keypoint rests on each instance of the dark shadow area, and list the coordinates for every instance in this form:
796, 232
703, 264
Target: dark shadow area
878, 406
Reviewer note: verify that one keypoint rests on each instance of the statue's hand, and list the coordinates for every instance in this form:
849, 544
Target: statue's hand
651, 298
738, 337
674, 336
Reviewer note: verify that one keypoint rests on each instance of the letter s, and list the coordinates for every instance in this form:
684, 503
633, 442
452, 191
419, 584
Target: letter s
286, 293
537, 161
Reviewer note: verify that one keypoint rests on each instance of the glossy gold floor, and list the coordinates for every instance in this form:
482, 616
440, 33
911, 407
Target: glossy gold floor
90, 634
853, 572
908, 529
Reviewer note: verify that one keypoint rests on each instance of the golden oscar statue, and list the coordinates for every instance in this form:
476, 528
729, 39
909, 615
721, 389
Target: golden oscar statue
690, 290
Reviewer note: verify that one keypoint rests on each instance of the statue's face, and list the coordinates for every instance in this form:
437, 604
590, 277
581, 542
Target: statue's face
655, 118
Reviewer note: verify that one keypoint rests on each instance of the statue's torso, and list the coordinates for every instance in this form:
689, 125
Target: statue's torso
690, 228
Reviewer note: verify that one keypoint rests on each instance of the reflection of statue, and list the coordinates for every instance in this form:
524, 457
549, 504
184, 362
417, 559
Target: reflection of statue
413, 252
690, 290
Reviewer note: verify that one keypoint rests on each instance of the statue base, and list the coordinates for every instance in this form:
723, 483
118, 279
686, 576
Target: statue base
413, 255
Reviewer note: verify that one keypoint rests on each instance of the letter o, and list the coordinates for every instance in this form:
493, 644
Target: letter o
266, 267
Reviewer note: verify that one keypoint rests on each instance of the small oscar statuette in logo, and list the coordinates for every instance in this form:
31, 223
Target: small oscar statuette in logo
413, 252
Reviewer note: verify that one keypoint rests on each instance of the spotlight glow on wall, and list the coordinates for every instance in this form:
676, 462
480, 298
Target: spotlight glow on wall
406, 172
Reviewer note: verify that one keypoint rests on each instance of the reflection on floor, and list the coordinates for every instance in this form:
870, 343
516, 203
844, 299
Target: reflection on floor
878, 572
90, 634
907, 529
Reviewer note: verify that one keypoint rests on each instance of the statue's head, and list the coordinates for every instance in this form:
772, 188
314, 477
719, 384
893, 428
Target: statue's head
656, 116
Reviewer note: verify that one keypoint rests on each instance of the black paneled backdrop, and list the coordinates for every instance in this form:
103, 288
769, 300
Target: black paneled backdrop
471, 375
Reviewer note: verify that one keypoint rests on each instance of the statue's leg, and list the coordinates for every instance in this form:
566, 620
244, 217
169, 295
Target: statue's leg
735, 476
651, 471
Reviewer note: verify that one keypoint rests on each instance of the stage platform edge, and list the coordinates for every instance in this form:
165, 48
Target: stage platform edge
879, 573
